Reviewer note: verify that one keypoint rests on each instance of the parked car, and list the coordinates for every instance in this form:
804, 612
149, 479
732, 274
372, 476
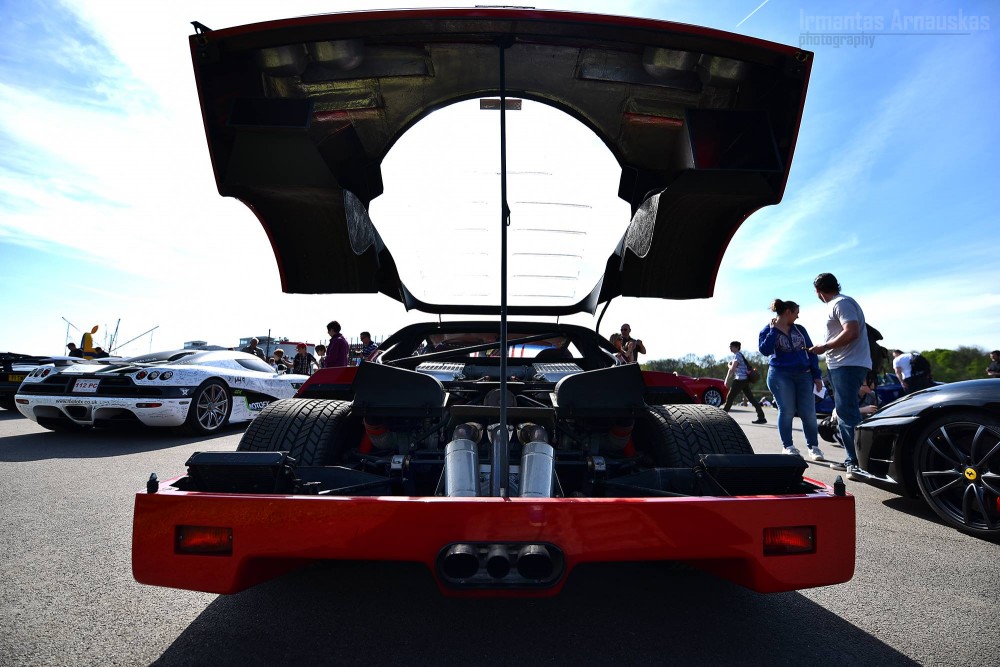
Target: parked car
941, 443
201, 391
888, 390
499, 454
14, 367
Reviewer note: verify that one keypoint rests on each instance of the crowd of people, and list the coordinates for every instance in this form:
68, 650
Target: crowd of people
338, 353
794, 377
795, 380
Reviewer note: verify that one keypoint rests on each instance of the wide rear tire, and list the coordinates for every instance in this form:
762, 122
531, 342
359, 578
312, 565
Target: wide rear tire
675, 436
314, 431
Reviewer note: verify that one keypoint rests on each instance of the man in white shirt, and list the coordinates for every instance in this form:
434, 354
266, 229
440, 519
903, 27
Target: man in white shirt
901, 365
848, 357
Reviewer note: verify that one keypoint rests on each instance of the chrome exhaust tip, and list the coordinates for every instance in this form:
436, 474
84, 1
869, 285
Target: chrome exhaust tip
534, 562
498, 561
461, 561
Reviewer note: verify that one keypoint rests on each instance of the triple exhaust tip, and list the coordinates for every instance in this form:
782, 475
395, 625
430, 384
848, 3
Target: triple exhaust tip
533, 561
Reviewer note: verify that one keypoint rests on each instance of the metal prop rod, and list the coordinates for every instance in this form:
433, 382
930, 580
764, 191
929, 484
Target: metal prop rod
499, 472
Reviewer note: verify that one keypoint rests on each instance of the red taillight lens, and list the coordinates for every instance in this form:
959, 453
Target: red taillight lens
204, 540
789, 540
140, 375
148, 405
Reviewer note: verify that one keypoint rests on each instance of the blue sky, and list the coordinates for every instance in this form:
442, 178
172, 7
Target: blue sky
109, 213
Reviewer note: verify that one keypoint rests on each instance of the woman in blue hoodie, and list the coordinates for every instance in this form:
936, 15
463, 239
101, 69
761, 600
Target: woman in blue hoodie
792, 375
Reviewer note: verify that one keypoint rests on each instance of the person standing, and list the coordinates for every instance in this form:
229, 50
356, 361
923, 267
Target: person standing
368, 348
792, 375
303, 362
848, 357
338, 352
631, 347
74, 351
901, 366
909, 377
252, 348
280, 363
739, 371
993, 370
320, 355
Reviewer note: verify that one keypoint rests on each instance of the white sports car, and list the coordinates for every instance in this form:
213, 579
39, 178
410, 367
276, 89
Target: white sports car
199, 390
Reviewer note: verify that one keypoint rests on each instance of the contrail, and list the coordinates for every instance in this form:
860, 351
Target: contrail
752, 13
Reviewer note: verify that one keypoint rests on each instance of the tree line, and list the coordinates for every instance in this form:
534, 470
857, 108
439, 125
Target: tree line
963, 363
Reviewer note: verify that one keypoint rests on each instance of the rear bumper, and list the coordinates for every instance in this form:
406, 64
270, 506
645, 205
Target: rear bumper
273, 534
85, 411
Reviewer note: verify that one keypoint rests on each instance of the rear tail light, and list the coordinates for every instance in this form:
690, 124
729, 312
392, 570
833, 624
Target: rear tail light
148, 405
204, 540
789, 540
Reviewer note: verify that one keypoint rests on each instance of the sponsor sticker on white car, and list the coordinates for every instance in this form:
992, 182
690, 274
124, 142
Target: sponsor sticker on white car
86, 386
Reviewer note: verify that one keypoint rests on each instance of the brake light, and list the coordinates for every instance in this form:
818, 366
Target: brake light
204, 540
787, 540
148, 405
140, 375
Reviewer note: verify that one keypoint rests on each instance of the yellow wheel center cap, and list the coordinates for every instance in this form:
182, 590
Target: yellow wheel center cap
970, 474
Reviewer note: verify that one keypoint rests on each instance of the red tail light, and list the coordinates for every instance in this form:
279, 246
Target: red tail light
789, 540
204, 540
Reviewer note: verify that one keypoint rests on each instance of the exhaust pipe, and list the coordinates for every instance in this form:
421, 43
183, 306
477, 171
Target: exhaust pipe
461, 561
534, 562
537, 462
461, 462
498, 561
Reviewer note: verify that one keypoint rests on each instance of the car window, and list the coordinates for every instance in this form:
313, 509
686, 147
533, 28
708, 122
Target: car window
254, 364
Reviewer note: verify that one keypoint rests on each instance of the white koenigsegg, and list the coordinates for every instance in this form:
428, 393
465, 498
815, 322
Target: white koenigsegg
199, 390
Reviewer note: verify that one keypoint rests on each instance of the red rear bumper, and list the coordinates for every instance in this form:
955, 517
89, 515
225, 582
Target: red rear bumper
273, 534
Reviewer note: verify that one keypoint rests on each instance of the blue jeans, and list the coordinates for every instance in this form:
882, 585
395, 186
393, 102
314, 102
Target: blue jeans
846, 381
793, 390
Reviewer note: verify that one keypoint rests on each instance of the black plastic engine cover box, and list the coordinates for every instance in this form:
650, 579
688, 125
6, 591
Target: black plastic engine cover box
242, 472
756, 474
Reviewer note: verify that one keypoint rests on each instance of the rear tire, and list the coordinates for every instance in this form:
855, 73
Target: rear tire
674, 436
313, 431
210, 408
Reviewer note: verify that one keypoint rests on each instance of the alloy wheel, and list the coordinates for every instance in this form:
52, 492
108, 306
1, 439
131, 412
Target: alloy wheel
957, 464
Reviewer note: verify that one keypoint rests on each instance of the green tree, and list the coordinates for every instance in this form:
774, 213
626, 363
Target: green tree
963, 363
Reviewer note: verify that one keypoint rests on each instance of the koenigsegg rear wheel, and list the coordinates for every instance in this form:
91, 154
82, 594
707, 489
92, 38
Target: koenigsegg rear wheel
210, 408
313, 431
956, 460
674, 436
712, 397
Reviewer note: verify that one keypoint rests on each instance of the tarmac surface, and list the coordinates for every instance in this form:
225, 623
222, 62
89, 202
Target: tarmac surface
922, 593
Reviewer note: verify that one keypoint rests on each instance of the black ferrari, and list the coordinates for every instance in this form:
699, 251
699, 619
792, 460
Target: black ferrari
942, 443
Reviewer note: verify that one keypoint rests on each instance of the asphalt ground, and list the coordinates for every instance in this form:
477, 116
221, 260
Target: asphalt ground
922, 594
